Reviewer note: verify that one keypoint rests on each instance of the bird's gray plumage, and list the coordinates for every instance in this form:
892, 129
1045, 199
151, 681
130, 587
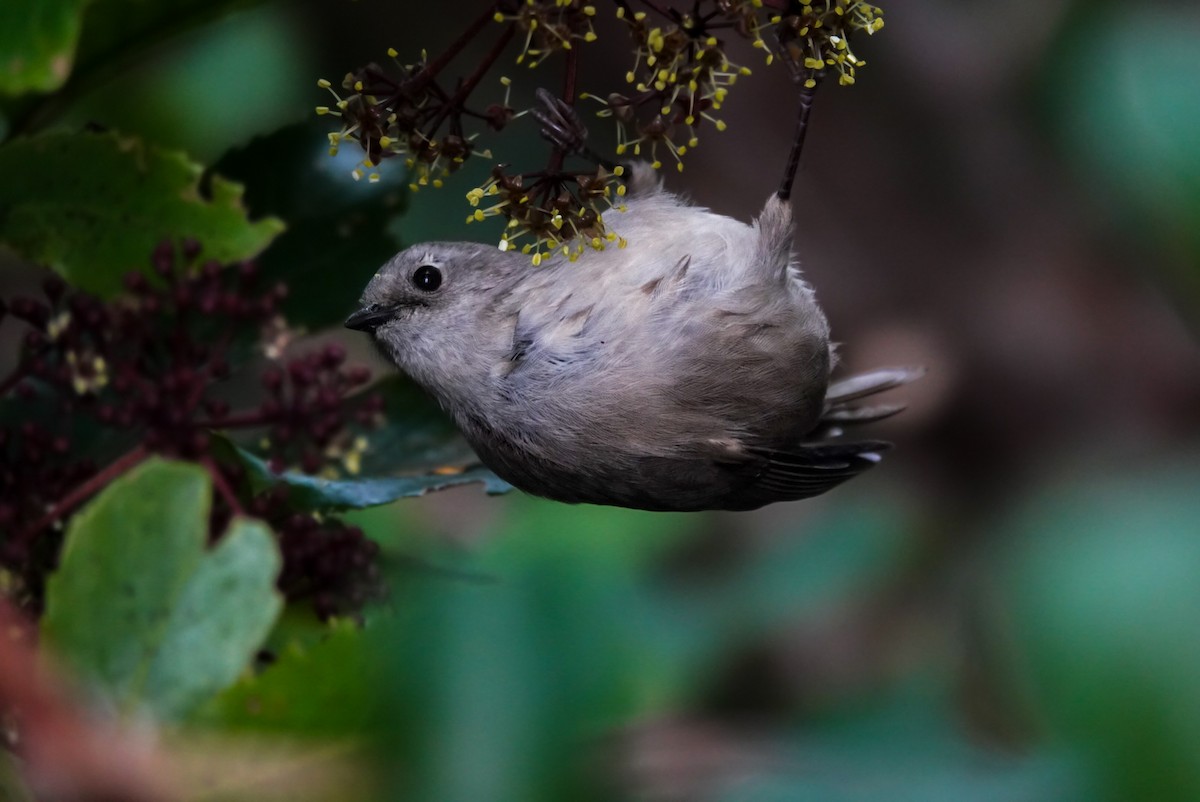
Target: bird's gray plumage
688, 371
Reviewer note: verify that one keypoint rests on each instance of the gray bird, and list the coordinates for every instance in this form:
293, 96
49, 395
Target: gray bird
688, 371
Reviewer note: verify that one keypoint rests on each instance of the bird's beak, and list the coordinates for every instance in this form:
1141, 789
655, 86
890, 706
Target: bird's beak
370, 318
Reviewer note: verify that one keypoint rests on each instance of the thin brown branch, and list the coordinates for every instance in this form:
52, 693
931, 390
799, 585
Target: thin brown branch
89, 488
658, 9
432, 68
623, 4
806, 95
242, 421
223, 489
468, 86
571, 76
12, 380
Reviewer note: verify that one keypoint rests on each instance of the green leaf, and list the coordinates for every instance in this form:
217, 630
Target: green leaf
808, 573
837, 559
337, 233
316, 493
900, 772
1102, 609
94, 206
325, 690
417, 436
186, 92
906, 744
137, 70
1125, 99
112, 29
496, 684
417, 451
37, 43
143, 610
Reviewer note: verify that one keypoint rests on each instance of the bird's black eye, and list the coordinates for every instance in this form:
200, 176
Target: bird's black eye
427, 278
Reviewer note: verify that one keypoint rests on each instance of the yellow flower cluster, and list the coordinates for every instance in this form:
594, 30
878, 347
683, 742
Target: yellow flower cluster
818, 37
680, 79
550, 26
559, 213
386, 116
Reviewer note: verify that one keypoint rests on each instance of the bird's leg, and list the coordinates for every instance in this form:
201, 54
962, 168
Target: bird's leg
805, 93
561, 126
563, 129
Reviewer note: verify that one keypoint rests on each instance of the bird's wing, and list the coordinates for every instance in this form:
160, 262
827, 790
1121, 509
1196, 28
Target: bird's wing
765, 475
809, 470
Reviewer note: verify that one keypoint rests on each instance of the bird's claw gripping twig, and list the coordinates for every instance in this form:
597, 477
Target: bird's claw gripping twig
562, 128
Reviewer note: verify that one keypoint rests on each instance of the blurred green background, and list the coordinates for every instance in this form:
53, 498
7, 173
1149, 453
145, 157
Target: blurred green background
1007, 609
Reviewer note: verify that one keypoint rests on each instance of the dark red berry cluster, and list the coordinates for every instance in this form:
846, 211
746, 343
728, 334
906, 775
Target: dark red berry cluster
306, 410
100, 385
325, 561
37, 468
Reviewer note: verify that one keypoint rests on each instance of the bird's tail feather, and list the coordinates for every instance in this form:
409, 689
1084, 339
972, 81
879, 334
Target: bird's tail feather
840, 398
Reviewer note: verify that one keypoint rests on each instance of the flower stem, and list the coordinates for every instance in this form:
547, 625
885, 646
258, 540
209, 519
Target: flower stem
803, 113
12, 380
